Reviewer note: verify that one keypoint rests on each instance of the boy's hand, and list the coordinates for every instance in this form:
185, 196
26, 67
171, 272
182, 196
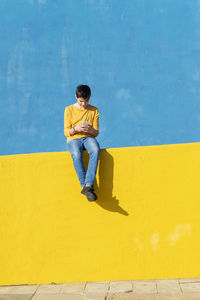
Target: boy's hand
78, 128
87, 128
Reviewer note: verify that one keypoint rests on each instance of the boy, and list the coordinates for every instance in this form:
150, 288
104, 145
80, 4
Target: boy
81, 126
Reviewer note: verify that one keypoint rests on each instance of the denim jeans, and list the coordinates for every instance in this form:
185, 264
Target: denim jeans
76, 147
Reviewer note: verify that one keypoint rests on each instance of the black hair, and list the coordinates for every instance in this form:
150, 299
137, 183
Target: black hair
83, 91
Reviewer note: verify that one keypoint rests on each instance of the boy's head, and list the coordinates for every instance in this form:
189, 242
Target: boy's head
83, 94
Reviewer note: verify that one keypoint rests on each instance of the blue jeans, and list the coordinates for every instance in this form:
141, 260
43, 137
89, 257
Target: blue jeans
76, 147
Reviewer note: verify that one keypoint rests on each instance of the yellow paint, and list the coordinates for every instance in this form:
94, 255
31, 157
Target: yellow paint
145, 225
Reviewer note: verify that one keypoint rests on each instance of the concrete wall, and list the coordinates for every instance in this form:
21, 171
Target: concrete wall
144, 225
142, 61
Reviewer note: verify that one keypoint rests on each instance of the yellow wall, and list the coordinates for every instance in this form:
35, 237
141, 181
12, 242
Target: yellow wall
145, 225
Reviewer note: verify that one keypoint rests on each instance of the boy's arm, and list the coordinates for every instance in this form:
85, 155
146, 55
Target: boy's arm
95, 129
68, 129
67, 122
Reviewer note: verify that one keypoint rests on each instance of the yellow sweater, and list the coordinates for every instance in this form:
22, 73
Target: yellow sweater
74, 116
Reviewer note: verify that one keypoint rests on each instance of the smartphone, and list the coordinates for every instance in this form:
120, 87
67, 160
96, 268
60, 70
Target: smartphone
85, 123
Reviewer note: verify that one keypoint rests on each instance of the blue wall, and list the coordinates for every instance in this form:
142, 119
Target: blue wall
140, 57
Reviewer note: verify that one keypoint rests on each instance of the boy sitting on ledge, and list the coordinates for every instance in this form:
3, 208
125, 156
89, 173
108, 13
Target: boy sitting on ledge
81, 126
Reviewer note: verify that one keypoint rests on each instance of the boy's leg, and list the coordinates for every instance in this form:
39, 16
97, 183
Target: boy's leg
92, 146
76, 147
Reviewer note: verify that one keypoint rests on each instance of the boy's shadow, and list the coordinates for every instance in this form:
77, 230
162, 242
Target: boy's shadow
104, 191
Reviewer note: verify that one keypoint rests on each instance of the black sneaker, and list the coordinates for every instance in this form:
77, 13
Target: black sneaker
88, 191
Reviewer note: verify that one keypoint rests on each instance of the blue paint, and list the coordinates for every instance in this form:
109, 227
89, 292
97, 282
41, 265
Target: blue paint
141, 59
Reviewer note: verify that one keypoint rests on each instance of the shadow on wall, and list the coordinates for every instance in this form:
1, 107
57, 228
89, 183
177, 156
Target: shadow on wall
104, 191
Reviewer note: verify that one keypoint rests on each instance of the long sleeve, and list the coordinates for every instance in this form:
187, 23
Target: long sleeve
67, 122
96, 121
74, 116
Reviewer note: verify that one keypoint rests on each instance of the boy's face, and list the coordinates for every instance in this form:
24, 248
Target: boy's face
82, 102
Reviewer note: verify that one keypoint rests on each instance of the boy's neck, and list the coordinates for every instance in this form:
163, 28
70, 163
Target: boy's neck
78, 106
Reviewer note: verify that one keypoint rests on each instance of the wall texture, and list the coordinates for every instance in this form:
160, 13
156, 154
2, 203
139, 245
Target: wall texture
144, 225
141, 59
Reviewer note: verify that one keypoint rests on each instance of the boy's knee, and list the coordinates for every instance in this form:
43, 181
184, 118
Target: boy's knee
76, 155
95, 150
